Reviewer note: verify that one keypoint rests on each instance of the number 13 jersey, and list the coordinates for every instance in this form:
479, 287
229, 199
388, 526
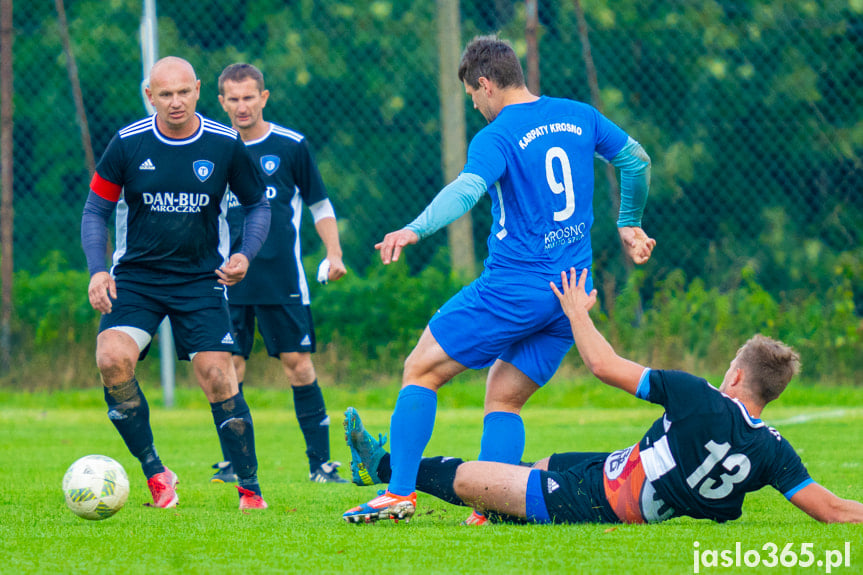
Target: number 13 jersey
701, 458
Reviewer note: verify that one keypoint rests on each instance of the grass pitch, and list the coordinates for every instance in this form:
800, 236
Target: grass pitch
302, 531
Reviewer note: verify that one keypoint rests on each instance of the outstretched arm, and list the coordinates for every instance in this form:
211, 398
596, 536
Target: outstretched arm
452, 202
823, 505
598, 355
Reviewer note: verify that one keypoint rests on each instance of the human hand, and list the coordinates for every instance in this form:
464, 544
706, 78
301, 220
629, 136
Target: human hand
331, 269
393, 243
235, 270
574, 298
101, 291
637, 245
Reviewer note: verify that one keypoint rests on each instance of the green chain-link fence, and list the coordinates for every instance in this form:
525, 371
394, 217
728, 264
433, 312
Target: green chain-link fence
751, 111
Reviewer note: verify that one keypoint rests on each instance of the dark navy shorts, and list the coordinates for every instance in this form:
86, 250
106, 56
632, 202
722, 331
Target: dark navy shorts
572, 490
200, 323
509, 317
284, 328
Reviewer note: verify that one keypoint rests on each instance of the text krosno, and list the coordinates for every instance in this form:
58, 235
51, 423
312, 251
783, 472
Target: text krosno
548, 129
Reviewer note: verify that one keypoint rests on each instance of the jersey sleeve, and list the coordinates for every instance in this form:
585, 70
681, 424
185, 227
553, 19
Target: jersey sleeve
107, 182
485, 157
307, 176
244, 179
788, 475
610, 138
680, 393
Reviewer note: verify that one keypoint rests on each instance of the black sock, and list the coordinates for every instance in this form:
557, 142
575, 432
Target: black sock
436, 476
226, 451
314, 423
129, 412
234, 424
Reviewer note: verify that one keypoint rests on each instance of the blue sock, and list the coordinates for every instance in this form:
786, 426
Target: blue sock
502, 438
410, 431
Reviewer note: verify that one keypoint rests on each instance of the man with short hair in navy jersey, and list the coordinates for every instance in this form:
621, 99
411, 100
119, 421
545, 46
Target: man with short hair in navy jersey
275, 291
536, 161
166, 177
700, 459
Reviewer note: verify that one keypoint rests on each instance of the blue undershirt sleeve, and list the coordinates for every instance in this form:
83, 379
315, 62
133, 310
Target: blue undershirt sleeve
643, 391
634, 165
255, 228
452, 202
94, 231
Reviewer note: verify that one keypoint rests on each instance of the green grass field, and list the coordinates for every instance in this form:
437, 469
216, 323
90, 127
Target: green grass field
303, 531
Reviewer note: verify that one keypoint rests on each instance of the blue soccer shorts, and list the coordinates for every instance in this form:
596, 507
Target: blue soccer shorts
198, 323
501, 315
285, 328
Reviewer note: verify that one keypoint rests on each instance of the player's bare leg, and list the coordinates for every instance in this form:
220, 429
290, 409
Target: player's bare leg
116, 357
486, 485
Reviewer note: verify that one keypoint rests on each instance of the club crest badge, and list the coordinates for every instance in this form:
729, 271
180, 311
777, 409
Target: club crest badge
203, 169
269, 164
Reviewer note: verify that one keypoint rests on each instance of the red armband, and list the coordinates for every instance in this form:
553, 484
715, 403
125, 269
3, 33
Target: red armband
105, 189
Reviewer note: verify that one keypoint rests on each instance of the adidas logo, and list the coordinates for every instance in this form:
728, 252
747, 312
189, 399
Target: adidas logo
147, 165
228, 339
552, 485
306, 340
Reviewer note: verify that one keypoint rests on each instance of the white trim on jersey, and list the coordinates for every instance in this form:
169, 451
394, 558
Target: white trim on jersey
288, 133
122, 230
138, 127
184, 141
224, 231
217, 128
297, 205
748, 418
322, 209
657, 460
262, 138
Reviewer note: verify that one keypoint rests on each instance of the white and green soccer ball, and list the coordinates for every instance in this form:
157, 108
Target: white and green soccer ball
96, 487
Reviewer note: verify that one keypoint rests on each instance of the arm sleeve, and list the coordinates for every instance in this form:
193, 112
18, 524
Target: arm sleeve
255, 228
94, 231
452, 202
634, 165
322, 209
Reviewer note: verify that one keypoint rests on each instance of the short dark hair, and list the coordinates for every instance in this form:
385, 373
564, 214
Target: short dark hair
492, 58
769, 365
238, 73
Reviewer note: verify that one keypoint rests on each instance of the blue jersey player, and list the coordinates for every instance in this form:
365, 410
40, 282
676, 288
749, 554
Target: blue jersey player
700, 459
535, 160
275, 292
166, 176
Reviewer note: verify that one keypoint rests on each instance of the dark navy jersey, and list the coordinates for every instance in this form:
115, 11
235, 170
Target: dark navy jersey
171, 199
704, 455
276, 275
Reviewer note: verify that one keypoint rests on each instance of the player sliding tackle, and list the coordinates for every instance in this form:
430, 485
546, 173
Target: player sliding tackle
708, 450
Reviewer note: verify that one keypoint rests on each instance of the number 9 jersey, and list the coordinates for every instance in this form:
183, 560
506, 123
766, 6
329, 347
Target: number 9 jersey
537, 159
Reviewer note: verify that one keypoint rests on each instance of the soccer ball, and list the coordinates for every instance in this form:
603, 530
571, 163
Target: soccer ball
96, 487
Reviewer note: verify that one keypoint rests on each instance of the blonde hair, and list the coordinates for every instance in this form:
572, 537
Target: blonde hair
769, 365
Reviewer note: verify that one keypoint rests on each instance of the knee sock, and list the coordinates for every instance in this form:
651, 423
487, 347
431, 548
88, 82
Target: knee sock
436, 476
129, 412
502, 438
226, 452
314, 423
234, 424
411, 427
